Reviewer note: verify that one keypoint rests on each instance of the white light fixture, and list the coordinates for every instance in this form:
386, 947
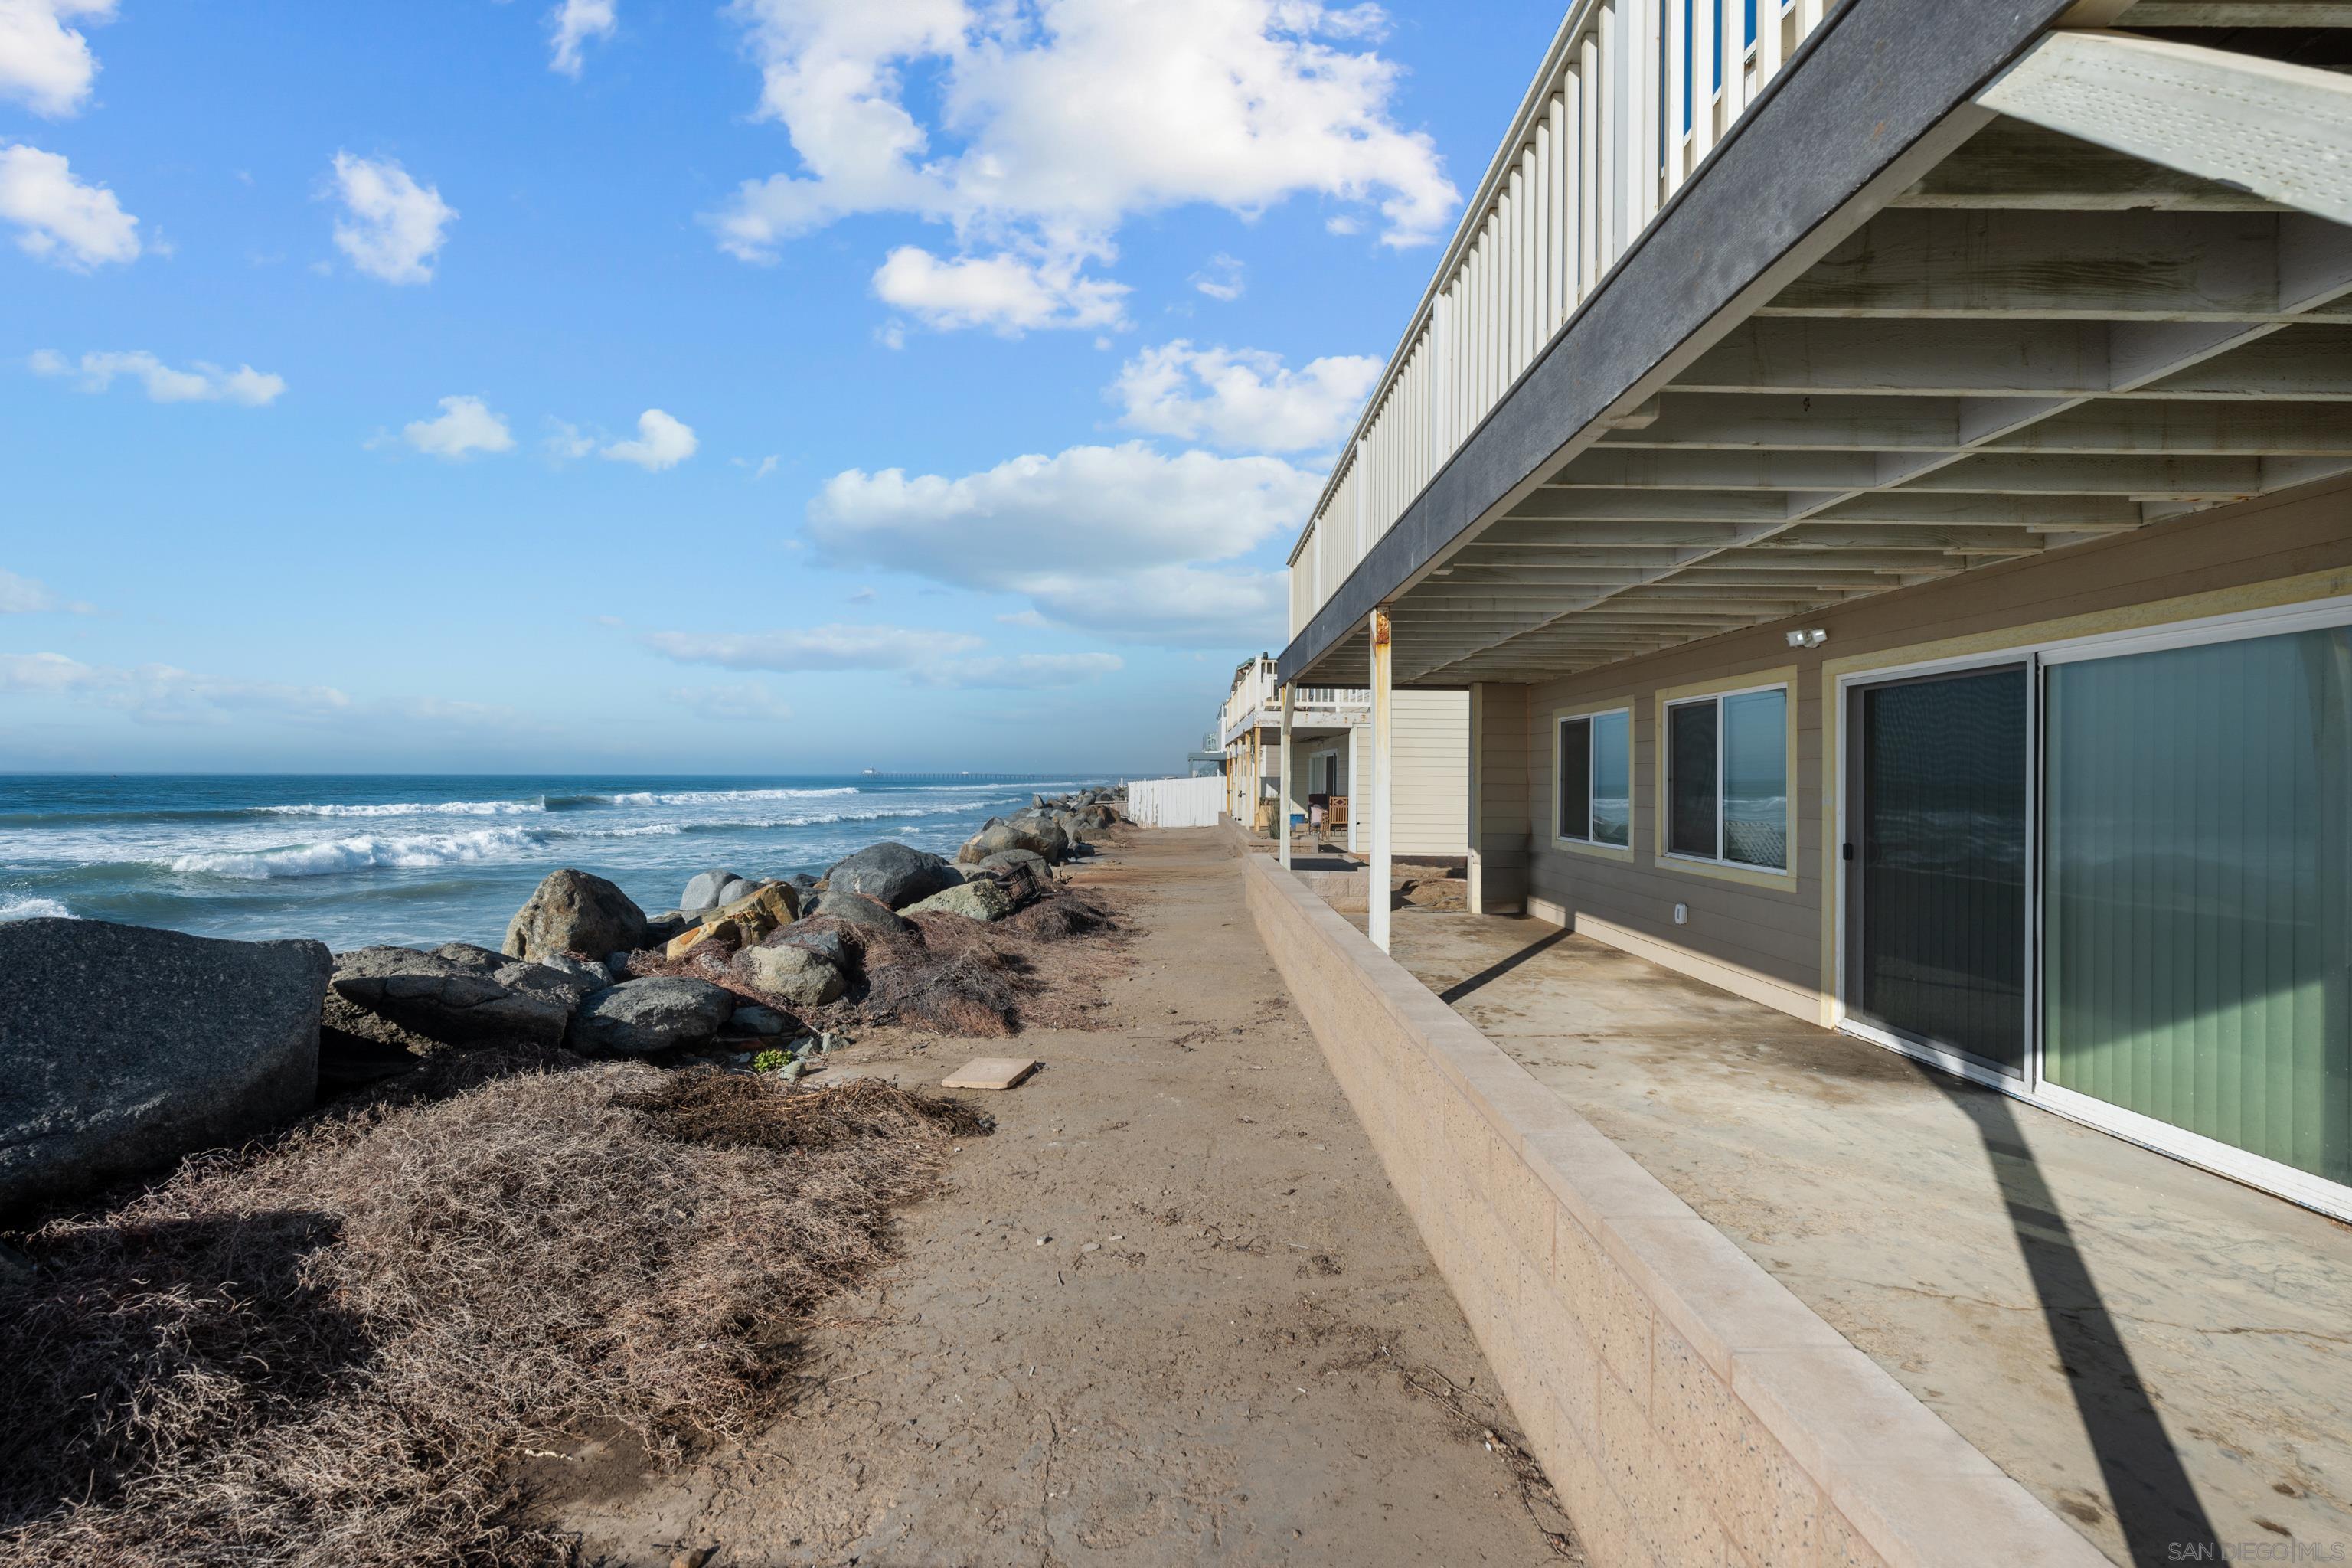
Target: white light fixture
1812, 637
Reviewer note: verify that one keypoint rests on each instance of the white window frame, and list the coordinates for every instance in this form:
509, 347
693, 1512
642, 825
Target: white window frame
1588, 844
1719, 860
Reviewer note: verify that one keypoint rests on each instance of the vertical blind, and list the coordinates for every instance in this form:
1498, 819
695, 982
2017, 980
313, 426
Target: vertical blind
1942, 874
2197, 880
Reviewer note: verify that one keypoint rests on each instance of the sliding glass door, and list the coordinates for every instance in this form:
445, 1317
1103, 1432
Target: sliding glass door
2198, 889
1936, 886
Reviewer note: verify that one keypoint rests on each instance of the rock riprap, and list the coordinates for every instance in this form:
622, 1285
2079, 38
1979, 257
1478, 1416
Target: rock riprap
573, 912
123, 1048
893, 875
640, 1017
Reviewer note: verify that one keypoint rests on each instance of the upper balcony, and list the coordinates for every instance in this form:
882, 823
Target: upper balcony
1627, 104
1255, 702
1918, 286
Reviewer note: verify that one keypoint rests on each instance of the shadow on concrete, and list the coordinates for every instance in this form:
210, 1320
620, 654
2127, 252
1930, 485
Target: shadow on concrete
2156, 1507
1495, 971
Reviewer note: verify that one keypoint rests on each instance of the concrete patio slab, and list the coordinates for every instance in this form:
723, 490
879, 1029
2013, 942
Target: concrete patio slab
2159, 1354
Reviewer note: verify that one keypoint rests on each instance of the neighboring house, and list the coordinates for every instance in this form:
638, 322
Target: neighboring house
1330, 752
1897, 562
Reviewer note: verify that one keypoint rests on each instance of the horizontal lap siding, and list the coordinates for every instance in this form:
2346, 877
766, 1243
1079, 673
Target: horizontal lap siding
1777, 934
1432, 735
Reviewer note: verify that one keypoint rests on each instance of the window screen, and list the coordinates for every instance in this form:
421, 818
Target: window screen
1576, 778
1691, 779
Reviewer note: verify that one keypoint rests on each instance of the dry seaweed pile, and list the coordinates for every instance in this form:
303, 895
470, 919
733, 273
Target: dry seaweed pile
989, 981
333, 1351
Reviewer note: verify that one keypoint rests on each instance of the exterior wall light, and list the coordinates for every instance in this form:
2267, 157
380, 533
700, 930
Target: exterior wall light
1812, 637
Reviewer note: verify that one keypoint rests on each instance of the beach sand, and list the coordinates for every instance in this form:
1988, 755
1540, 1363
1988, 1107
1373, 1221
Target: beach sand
1169, 1312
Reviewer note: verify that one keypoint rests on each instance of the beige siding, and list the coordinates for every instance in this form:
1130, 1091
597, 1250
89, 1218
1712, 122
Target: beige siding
1768, 943
1432, 733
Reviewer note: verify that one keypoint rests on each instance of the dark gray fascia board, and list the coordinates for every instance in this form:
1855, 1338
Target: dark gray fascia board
1875, 78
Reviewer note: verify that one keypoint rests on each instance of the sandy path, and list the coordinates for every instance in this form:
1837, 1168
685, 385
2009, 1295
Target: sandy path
1228, 1346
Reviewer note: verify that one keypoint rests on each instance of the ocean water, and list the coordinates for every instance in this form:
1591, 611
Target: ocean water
425, 859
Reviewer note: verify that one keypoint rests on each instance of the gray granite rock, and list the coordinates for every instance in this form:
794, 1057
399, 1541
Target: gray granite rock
793, 974
859, 910
892, 874
123, 1048
661, 1013
448, 1000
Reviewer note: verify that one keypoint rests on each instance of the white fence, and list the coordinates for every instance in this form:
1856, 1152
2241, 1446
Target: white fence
1176, 803
1628, 102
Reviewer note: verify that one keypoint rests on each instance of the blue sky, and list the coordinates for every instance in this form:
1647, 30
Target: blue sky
769, 387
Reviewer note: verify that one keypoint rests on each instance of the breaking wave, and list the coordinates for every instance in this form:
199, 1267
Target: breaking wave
34, 910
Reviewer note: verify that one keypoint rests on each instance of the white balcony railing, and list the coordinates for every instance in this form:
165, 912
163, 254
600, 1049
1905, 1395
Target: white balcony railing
1255, 700
1627, 104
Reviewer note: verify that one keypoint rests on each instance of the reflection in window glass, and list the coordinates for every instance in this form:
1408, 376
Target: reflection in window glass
1613, 779
1755, 779
1690, 780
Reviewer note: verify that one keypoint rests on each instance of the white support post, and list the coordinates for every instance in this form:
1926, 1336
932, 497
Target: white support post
1287, 790
1376, 901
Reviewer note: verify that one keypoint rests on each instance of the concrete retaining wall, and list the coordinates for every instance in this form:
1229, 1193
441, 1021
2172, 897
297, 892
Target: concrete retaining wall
1687, 1407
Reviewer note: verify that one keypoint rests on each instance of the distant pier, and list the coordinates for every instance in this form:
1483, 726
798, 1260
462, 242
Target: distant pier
875, 775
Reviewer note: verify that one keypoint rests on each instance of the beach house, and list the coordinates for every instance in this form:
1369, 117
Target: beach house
1879, 474
1330, 758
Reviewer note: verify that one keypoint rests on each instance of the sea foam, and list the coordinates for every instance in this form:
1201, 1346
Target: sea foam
34, 910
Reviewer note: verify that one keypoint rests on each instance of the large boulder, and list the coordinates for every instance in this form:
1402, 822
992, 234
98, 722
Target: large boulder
123, 1048
702, 893
891, 874
981, 899
661, 1013
792, 974
450, 1000
573, 912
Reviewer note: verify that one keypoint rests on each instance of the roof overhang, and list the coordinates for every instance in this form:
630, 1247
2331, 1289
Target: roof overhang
1882, 336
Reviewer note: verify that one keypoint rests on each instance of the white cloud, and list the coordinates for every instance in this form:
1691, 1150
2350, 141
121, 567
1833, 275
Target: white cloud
1029, 618
466, 427
1242, 398
749, 703
834, 647
24, 596
45, 63
1004, 292
393, 227
1223, 278
1054, 123
573, 24
59, 219
1118, 540
1022, 672
200, 382
162, 692
662, 443
564, 441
